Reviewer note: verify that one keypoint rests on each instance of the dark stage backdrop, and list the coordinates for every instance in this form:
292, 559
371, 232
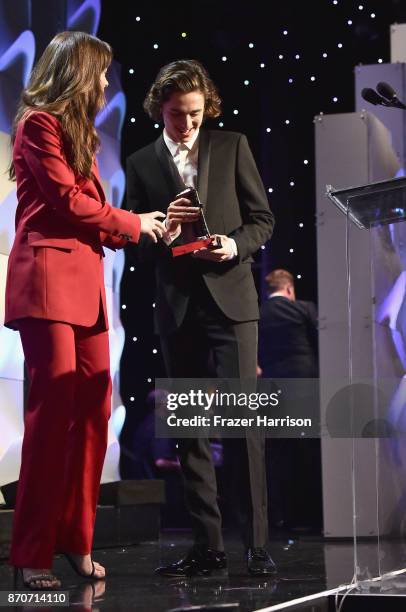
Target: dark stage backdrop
277, 65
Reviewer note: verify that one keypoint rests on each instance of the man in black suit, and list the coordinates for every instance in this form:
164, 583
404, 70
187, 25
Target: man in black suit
206, 303
288, 348
288, 345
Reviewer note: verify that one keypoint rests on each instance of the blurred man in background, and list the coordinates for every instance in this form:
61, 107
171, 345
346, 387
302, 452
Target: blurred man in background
287, 331
288, 348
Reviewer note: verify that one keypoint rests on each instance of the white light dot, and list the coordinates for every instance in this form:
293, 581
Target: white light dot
280, 56
298, 276
246, 82
285, 32
132, 398
156, 46
290, 80
224, 58
270, 190
156, 125
263, 247
123, 306
154, 351
297, 56
349, 22
335, 2
153, 304
287, 122
373, 15
262, 65
360, 7
135, 338
132, 119
291, 250
221, 124
183, 34
251, 45
305, 161
292, 183
340, 45
138, 19
312, 78
132, 269
268, 130
300, 224
131, 71
235, 111
324, 55
380, 60
335, 99
149, 379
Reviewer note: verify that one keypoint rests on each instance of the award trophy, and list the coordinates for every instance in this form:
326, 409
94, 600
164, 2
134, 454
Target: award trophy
195, 235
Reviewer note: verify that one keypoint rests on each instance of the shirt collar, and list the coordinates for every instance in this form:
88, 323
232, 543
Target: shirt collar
276, 294
174, 146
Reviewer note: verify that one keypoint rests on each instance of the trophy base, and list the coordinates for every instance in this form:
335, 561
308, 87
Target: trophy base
202, 243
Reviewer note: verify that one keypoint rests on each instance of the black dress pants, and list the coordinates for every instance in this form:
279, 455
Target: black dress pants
208, 343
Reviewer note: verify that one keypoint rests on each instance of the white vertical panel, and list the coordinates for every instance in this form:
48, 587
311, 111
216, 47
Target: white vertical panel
11, 429
7, 197
392, 118
351, 149
398, 42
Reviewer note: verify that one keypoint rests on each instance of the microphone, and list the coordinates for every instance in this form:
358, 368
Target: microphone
372, 97
387, 92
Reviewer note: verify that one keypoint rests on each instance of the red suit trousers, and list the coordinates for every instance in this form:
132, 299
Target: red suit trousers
65, 440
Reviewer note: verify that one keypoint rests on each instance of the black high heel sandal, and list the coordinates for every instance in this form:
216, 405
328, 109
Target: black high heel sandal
30, 582
74, 566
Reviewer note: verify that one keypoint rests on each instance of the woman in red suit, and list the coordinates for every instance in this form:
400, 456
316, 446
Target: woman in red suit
55, 298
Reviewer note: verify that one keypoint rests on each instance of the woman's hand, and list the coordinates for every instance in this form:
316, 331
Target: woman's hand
180, 211
151, 226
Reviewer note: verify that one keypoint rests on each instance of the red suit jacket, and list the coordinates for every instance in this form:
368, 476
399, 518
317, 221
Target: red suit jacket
55, 268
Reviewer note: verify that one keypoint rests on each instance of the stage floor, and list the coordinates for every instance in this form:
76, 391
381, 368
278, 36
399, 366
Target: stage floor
307, 565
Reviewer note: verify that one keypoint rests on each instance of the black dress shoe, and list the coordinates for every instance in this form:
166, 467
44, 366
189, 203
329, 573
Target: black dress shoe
259, 562
198, 562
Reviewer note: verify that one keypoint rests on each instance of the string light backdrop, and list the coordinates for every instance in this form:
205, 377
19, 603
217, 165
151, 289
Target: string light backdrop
277, 65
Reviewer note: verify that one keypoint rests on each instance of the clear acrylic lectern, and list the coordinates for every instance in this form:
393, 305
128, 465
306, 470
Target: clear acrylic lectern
371, 406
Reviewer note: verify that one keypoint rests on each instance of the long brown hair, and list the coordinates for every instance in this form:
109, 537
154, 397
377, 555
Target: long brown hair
66, 83
185, 76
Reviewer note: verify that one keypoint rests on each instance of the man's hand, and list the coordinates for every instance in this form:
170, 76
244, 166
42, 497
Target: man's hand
224, 253
151, 226
180, 211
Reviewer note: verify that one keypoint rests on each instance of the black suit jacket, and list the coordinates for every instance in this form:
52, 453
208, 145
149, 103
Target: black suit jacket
235, 204
288, 346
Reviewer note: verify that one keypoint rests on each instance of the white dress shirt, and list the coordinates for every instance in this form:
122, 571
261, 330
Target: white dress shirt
186, 155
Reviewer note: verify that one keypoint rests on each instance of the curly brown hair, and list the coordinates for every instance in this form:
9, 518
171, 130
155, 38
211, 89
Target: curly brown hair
184, 76
65, 82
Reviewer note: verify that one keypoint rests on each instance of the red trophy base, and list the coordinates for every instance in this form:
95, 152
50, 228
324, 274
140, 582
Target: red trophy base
202, 243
